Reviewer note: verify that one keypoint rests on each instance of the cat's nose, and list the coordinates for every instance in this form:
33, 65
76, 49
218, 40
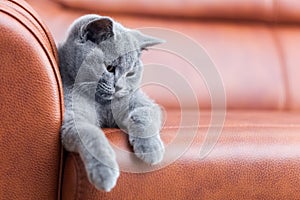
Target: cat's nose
117, 88
119, 85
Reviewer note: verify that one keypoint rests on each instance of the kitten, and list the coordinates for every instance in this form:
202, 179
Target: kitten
101, 71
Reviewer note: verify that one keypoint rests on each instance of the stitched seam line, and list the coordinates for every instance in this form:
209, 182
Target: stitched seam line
45, 31
282, 58
283, 69
57, 76
61, 171
79, 179
236, 126
25, 13
77, 168
226, 126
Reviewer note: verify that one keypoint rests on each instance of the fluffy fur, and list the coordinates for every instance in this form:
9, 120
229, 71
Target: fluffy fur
101, 71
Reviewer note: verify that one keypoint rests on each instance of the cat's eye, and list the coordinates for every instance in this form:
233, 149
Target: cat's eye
111, 68
130, 74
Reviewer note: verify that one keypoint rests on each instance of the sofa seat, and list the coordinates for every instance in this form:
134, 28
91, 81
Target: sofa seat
256, 157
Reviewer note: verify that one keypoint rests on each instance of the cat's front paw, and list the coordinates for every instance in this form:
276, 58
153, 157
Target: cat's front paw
150, 150
102, 176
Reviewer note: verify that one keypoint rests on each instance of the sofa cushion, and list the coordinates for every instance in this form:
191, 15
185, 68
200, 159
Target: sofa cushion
258, 10
256, 157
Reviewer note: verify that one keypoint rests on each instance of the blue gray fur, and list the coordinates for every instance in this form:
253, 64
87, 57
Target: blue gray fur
101, 72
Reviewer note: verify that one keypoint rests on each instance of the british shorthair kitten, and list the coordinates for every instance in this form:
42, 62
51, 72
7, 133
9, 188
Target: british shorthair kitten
101, 71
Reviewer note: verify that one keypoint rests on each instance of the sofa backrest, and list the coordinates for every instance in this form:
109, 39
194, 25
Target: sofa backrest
253, 43
260, 10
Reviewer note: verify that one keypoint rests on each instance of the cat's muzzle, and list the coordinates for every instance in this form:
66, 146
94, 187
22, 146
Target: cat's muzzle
105, 91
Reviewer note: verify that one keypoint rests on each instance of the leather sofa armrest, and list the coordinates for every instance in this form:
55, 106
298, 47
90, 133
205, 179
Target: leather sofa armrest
31, 104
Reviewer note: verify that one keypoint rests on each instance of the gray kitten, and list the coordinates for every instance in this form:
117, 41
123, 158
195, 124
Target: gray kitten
101, 71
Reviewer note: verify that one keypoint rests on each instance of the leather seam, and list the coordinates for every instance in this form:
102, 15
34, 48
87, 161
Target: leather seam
45, 32
283, 69
61, 171
29, 18
47, 54
80, 178
217, 126
235, 126
280, 52
77, 170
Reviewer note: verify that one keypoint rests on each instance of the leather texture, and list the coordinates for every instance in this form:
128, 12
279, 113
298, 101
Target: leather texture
254, 10
256, 157
254, 45
31, 106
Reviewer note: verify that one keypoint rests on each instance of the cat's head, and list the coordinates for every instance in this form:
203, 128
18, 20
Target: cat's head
118, 50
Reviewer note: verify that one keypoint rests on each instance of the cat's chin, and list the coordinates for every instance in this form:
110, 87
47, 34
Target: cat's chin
121, 93
107, 97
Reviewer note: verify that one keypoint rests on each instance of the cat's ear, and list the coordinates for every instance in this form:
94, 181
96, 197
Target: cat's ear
146, 40
98, 30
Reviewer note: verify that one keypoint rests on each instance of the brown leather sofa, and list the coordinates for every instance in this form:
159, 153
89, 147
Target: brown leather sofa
255, 48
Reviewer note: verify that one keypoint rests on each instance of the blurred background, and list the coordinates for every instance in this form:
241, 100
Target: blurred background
252, 43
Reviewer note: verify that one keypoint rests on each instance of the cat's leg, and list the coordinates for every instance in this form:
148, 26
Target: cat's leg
81, 134
143, 126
